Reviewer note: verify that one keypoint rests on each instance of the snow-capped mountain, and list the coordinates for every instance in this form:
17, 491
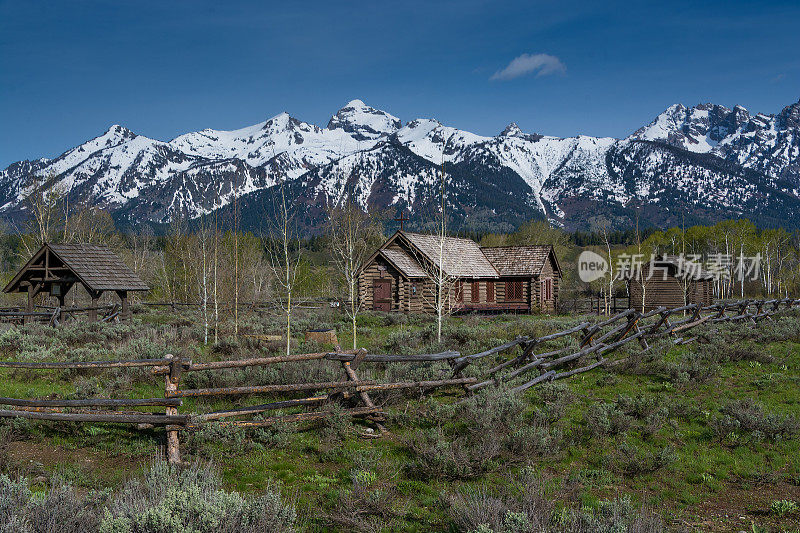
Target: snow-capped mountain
702, 163
767, 143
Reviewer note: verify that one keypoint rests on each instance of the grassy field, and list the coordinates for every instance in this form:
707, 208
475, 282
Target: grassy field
702, 437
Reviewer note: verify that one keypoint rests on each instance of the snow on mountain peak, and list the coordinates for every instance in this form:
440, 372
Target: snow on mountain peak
362, 122
512, 130
117, 129
430, 139
790, 115
697, 129
200, 171
114, 135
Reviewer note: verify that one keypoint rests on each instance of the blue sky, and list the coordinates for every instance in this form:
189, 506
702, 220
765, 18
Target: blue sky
68, 70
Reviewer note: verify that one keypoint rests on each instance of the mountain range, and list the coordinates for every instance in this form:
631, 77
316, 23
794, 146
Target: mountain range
690, 165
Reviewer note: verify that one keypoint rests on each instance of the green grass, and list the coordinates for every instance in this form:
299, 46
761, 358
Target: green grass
585, 471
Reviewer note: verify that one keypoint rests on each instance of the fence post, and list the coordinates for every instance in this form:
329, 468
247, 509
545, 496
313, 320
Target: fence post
171, 385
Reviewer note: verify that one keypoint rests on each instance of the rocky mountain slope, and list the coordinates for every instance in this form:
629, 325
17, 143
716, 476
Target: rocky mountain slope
700, 164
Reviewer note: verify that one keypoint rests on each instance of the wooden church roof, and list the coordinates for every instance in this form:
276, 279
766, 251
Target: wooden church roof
520, 260
404, 262
463, 258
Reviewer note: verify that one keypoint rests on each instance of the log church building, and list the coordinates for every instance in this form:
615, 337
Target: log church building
400, 276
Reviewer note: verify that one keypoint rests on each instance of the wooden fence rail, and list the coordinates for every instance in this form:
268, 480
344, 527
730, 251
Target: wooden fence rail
625, 327
589, 346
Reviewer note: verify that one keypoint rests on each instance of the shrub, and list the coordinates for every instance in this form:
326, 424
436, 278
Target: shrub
520, 506
629, 460
592, 477
11, 341
277, 435
169, 499
691, 369
783, 507
473, 435
337, 426
429, 371
606, 419
536, 440
555, 397
227, 347
639, 406
61, 509
435, 456
494, 410
646, 409
611, 516
223, 439
367, 504
14, 494
748, 416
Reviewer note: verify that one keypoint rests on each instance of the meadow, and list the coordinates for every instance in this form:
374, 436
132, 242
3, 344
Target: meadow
700, 437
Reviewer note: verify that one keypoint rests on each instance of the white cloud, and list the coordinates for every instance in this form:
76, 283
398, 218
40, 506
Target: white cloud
541, 64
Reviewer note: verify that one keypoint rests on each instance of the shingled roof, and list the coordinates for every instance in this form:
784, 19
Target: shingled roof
683, 267
95, 266
403, 262
518, 260
463, 258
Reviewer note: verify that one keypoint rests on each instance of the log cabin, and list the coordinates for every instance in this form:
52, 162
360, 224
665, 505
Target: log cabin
400, 276
670, 281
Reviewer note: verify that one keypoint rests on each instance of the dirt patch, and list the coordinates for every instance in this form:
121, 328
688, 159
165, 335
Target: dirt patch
738, 506
37, 458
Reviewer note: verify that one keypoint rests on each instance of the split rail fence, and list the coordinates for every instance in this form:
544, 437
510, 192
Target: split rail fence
54, 316
584, 347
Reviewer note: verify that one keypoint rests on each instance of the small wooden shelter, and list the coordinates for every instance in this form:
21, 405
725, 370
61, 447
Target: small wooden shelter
55, 268
399, 275
670, 281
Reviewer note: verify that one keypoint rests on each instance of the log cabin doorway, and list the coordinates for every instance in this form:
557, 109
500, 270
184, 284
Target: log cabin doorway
546, 293
382, 295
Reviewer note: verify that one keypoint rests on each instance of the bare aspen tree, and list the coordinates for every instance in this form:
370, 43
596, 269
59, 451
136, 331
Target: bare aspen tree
684, 279
641, 274
743, 235
46, 204
176, 251
440, 276
235, 260
444, 283
608, 292
352, 237
216, 265
686, 269
772, 243
284, 254
442, 280
203, 238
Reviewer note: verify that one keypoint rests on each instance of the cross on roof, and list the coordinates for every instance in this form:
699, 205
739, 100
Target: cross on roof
402, 218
